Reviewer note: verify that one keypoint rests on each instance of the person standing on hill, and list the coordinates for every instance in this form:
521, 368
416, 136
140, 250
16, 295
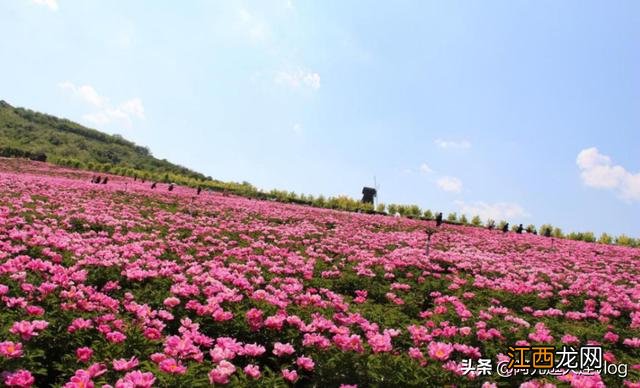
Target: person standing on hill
439, 219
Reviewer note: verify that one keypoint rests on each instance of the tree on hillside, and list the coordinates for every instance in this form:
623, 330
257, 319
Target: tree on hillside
605, 239
557, 233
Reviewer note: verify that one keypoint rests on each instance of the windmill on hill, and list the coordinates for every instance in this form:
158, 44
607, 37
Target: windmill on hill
370, 194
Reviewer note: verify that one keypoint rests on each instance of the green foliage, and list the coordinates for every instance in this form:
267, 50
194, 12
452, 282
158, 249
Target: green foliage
452, 217
545, 228
557, 232
531, 229
38, 136
605, 239
476, 221
9, 152
627, 241
463, 220
428, 214
380, 208
414, 211
582, 236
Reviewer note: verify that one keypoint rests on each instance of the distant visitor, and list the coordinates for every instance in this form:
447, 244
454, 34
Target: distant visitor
439, 219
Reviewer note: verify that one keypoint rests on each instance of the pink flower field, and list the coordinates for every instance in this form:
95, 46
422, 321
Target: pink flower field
124, 286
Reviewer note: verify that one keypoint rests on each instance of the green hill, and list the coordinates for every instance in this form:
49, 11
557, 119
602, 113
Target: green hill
40, 136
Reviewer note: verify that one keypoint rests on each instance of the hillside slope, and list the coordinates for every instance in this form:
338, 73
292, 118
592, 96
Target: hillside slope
37, 133
184, 290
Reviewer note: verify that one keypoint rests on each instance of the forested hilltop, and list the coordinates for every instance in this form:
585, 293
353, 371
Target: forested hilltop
61, 141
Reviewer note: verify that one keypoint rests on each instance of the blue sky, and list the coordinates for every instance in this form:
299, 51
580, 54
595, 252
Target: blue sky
528, 111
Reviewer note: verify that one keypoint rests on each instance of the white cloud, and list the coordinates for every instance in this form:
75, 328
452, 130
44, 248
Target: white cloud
464, 144
425, 169
450, 184
85, 92
299, 78
255, 28
495, 211
51, 4
123, 113
597, 170
133, 107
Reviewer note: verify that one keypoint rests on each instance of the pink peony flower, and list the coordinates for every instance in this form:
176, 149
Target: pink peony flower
81, 379
10, 349
35, 310
221, 373
542, 334
305, 363
416, 354
20, 379
136, 379
170, 365
632, 342
152, 333
254, 318
84, 354
348, 342
116, 337
570, 339
611, 337
440, 351
280, 349
252, 371
290, 375
158, 357
122, 364
380, 343
27, 329
171, 302
96, 370
253, 350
